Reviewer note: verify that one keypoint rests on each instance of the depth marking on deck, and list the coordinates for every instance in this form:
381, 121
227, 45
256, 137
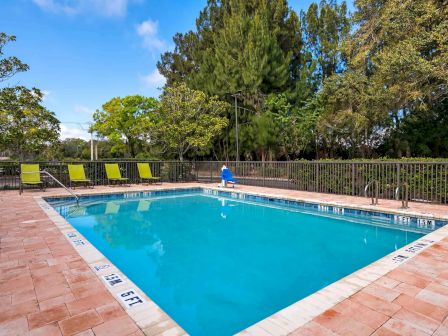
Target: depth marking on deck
130, 298
75, 240
113, 279
399, 258
413, 249
101, 267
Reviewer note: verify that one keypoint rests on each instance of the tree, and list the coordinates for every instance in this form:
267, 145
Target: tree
261, 48
126, 122
248, 46
177, 65
296, 125
188, 120
26, 127
11, 65
397, 69
74, 148
325, 27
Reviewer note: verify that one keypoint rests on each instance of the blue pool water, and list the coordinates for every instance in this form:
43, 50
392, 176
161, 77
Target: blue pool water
218, 265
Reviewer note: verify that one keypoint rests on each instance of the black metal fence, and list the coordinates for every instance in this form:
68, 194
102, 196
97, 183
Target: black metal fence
169, 171
427, 181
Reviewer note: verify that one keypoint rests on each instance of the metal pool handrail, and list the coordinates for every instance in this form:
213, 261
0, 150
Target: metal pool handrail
375, 195
404, 200
57, 181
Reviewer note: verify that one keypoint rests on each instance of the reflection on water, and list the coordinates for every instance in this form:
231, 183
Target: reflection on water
217, 266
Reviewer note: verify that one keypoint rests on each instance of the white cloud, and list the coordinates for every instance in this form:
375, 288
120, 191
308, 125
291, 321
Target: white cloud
74, 7
79, 109
73, 132
154, 80
149, 30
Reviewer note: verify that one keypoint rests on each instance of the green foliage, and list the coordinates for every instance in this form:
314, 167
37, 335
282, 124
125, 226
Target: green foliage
318, 84
296, 126
400, 53
126, 122
73, 148
9, 66
26, 127
325, 27
261, 49
188, 120
247, 46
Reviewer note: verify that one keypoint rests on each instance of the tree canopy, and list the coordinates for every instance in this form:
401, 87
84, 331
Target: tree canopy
129, 119
188, 120
27, 128
321, 83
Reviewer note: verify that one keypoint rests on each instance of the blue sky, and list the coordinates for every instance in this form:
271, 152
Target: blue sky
82, 53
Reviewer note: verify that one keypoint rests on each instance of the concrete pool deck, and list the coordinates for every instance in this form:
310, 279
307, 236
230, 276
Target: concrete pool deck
47, 288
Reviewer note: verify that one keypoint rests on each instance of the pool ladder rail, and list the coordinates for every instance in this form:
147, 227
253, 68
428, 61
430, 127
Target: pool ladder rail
404, 200
57, 181
375, 193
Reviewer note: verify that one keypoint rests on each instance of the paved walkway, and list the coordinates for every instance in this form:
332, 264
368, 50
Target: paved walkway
410, 300
47, 289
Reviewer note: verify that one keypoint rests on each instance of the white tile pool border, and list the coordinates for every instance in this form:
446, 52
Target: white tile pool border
152, 320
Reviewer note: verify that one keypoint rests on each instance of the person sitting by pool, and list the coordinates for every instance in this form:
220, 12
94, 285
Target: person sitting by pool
227, 177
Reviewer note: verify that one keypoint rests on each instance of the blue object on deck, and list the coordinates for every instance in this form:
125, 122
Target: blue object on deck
226, 175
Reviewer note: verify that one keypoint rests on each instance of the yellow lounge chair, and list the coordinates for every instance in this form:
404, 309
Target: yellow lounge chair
113, 174
30, 175
77, 174
144, 171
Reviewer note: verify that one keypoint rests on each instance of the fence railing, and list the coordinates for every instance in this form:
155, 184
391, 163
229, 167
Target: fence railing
169, 171
427, 181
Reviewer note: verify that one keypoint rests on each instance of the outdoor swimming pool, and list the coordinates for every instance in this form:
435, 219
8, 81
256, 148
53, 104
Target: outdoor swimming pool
219, 262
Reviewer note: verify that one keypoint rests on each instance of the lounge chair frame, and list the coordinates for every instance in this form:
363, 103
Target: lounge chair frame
145, 169
112, 169
78, 169
26, 168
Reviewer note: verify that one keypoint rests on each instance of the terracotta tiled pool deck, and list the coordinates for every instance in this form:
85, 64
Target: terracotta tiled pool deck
46, 287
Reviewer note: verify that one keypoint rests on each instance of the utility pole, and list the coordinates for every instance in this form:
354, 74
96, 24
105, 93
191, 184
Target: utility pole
237, 157
91, 146
236, 130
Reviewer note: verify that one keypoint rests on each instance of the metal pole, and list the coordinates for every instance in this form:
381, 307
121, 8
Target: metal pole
236, 129
91, 146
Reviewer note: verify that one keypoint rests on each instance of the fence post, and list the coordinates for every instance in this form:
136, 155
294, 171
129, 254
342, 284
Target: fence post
398, 179
263, 166
195, 167
353, 178
60, 173
317, 177
211, 172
